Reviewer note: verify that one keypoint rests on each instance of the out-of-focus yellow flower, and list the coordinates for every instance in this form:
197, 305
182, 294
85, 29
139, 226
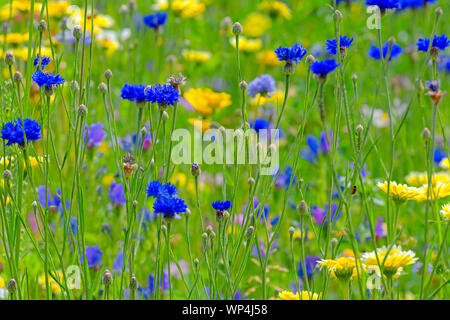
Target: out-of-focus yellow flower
394, 261
444, 164
303, 295
2, 283
196, 56
200, 125
275, 9
247, 45
57, 8
349, 253
56, 289
107, 179
109, 45
256, 24
183, 8
15, 38
34, 162
268, 58
276, 98
298, 235
438, 191
343, 268
445, 211
421, 178
400, 192
207, 101
22, 53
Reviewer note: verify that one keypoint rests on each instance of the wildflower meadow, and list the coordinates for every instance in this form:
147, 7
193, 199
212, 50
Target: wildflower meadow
224, 150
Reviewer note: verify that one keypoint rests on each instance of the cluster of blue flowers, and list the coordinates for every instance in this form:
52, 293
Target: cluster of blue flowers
263, 85
163, 95
311, 153
15, 131
155, 20
167, 201
439, 42
384, 4
94, 135
221, 206
374, 51
292, 54
44, 78
324, 67
344, 42
45, 61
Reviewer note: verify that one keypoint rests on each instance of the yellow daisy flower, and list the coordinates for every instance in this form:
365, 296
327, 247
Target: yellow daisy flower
275, 9
56, 289
439, 191
268, 58
394, 261
256, 24
196, 56
207, 101
303, 295
421, 178
343, 268
445, 212
247, 45
183, 8
400, 192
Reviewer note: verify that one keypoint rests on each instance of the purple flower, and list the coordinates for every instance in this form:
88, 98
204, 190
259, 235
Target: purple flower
321, 215
95, 135
263, 85
116, 194
93, 256
310, 262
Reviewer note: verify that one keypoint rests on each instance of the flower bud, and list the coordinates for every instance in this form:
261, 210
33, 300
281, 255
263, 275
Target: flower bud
243, 85
82, 110
438, 12
291, 230
77, 32
163, 228
9, 58
74, 85
212, 235
12, 286
17, 77
288, 68
102, 87
426, 135
188, 212
195, 170
108, 74
251, 181
337, 16
204, 235
107, 278
196, 262
249, 232
42, 26
237, 29
133, 283
302, 208
7, 175
310, 59
165, 116
359, 129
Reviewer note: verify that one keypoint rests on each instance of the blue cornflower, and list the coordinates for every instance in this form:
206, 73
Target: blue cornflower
321, 215
162, 94
47, 80
324, 67
285, 177
439, 155
13, 131
169, 207
116, 194
156, 190
135, 92
292, 54
414, 4
93, 256
263, 128
155, 20
384, 4
221, 205
311, 153
374, 51
443, 63
263, 85
344, 43
95, 135
53, 203
310, 262
439, 42
45, 61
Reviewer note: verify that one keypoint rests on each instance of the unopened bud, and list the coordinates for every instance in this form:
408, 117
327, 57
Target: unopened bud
133, 283
102, 87
337, 16
107, 278
82, 110
243, 85
165, 116
310, 59
249, 232
302, 208
251, 181
108, 74
7, 175
195, 170
237, 29
77, 32
291, 230
12, 286
17, 76
42, 26
438, 12
426, 135
9, 58
359, 129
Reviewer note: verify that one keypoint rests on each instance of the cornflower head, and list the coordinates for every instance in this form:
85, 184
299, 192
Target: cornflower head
45, 61
321, 215
47, 80
290, 55
440, 43
16, 131
414, 4
392, 262
445, 212
303, 295
343, 268
53, 203
321, 69
135, 93
93, 256
170, 208
384, 4
434, 91
396, 50
156, 190
155, 20
221, 207
400, 192
95, 135
310, 262
344, 43
263, 85
315, 147
116, 194
162, 94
